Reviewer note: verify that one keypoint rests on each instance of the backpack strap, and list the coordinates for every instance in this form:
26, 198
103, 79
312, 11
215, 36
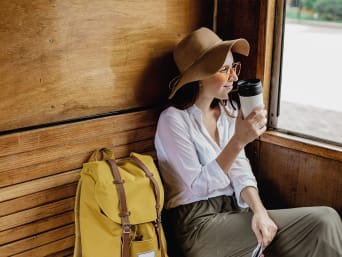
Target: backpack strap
124, 213
156, 190
101, 154
78, 246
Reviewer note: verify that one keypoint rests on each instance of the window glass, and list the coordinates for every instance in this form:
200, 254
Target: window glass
311, 75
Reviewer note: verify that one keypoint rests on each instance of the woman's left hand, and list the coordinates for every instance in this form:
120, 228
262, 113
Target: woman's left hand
264, 228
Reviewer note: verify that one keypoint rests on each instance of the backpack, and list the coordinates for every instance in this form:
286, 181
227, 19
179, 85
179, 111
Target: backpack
118, 207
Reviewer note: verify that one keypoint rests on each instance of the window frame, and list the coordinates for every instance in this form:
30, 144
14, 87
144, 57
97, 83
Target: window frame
270, 45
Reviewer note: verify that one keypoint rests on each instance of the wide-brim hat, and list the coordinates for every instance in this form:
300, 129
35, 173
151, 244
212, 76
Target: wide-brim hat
201, 54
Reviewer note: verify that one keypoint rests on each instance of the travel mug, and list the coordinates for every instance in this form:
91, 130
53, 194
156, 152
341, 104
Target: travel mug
250, 94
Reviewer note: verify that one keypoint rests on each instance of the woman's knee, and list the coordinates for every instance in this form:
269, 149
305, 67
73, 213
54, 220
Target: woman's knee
325, 217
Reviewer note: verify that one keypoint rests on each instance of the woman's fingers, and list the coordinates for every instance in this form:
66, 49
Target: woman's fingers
264, 228
258, 119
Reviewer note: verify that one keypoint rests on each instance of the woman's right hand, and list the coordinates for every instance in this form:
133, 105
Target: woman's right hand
249, 128
264, 228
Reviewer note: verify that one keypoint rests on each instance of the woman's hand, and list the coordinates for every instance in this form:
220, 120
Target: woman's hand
248, 129
264, 228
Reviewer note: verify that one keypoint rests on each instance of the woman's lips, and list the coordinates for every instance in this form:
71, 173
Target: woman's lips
229, 87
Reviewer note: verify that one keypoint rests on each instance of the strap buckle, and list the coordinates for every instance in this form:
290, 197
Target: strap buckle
126, 228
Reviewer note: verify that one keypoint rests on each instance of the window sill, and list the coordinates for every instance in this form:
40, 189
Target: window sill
302, 144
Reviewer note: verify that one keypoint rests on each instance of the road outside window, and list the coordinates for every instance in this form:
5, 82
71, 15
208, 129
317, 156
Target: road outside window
311, 86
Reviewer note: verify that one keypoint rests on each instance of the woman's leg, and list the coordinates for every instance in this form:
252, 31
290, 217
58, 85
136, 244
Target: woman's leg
306, 232
214, 228
202, 230
225, 235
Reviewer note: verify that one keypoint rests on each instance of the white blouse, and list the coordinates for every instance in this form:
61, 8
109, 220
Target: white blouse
187, 158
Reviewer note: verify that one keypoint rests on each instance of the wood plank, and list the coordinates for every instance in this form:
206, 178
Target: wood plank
265, 47
30, 187
65, 253
34, 214
36, 199
35, 157
36, 227
303, 145
79, 131
50, 248
62, 59
37, 240
295, 178
70, 161
43, 169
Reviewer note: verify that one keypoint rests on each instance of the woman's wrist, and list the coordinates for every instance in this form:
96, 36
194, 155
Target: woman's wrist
260, 210
251, 196
237, 143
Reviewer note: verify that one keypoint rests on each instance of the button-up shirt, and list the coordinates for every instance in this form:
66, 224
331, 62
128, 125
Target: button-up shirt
187, 158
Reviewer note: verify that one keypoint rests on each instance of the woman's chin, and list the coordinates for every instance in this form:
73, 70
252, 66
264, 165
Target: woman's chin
223, 98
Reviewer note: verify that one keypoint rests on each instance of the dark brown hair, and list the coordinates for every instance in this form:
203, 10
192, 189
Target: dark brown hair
187, 95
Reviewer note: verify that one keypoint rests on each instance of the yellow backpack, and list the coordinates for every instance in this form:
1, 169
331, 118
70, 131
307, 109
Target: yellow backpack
118, 208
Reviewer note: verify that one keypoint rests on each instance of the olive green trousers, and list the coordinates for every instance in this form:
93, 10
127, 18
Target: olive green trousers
218, 228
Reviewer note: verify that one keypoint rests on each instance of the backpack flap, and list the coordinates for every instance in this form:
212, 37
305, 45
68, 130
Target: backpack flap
138, 189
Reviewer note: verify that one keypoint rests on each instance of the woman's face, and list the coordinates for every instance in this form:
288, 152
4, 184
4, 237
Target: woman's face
221, 83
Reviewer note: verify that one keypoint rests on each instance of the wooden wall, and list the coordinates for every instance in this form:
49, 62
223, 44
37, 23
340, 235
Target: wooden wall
75, 76
238, 19
295, 174
289, 175
39, 173
64, 59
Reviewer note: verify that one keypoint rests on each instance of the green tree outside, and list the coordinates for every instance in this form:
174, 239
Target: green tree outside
323, 10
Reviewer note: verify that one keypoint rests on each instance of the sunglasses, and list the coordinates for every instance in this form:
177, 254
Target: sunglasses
229, 69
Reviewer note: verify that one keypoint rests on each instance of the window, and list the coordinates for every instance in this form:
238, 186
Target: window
309, 100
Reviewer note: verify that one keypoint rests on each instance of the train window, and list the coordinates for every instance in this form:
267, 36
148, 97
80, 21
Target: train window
306, 84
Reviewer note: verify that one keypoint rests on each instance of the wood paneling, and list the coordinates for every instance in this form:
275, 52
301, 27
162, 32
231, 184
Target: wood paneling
325, 150
39, 174
292, 178
34, 154
238, 19
62, 60
50, 248
32, 200
32, 229
37, 240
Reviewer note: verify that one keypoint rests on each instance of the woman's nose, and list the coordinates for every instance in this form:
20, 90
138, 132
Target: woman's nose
232, 76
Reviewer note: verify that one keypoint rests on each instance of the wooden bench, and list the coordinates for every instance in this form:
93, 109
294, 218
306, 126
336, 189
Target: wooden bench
39, 173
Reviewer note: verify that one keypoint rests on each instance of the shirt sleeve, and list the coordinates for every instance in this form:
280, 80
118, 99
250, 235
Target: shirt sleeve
241, 176
177, 149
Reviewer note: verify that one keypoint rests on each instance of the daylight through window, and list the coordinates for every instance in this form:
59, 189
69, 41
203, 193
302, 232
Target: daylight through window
311, 82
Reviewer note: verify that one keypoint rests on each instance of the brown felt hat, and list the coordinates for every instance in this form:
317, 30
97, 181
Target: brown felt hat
201, 54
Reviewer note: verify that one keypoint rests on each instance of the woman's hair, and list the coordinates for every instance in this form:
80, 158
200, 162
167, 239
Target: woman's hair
234, 98
187, 95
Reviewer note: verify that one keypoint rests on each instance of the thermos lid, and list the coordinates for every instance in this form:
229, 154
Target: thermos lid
249, 87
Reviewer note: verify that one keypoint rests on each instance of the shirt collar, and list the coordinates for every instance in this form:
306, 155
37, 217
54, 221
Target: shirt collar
197, 113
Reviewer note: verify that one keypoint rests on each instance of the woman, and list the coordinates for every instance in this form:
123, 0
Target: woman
209, 183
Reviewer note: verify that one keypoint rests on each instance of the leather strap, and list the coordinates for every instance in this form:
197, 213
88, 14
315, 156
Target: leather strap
101, 154
156, 190
124, 213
